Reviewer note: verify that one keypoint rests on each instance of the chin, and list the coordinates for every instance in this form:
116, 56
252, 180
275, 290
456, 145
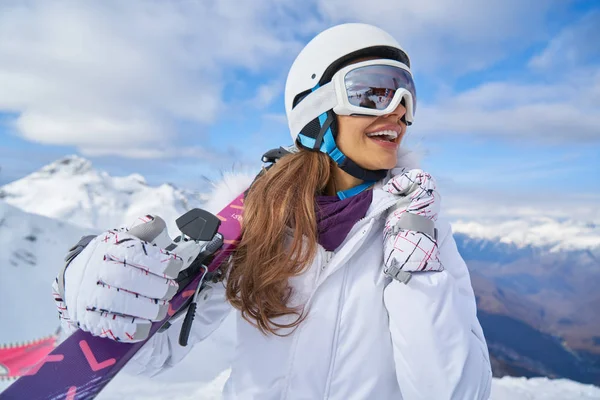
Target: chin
374, 157
387, 166
386, 161
382, 162
378, 157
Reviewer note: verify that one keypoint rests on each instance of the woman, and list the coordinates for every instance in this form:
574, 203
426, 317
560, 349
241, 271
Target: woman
346, 284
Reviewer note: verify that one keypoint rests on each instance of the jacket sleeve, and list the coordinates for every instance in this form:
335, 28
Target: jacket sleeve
439, 348
163, 351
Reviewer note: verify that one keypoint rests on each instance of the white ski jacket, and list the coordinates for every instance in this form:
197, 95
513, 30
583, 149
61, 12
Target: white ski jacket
366, 336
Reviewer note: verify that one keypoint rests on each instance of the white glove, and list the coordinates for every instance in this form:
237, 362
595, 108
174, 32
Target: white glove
410, 238
118, 284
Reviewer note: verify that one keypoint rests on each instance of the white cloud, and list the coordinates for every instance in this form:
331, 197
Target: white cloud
558, 112
267, 93
557, 101
562, 109
93, 131
447, 35
277, 118
117, 77
114, 75
471, 204
575, 45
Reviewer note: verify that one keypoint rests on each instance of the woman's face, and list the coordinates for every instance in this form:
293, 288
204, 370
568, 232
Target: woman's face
357, 138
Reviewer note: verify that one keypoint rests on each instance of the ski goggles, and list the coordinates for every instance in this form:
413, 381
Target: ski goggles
369, 88
374, 87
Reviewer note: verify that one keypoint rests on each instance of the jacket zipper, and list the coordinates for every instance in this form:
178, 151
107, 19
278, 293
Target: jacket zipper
326, 258
358, 243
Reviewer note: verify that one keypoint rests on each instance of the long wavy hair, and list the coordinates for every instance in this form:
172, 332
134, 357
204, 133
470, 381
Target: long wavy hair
280, 203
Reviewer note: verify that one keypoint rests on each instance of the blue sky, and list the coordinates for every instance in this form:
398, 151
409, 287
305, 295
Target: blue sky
509, 91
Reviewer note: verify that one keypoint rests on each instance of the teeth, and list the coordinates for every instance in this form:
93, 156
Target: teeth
390, 135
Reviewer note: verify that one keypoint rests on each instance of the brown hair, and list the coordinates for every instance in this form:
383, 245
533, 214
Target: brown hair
281, 202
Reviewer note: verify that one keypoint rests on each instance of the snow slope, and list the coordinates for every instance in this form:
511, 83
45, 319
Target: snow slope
508, 388
32, 250
138, 388
71, 190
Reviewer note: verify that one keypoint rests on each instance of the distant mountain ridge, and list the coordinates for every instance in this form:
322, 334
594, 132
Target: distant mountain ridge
539, 308
537, 231
71, 190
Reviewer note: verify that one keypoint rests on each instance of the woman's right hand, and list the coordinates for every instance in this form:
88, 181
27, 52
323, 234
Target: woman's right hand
118, 285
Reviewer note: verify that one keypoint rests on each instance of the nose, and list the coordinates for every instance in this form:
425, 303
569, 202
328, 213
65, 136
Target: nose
399, 114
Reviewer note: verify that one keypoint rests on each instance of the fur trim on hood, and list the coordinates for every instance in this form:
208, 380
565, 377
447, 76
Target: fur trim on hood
235, 182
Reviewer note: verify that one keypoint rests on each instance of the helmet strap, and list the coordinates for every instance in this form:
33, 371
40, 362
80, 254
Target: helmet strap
353, 169
324, 141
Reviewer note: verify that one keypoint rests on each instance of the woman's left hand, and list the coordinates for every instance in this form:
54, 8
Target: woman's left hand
419, 189
410, 239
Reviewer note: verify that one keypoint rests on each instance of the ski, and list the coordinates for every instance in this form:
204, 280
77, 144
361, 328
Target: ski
81, 366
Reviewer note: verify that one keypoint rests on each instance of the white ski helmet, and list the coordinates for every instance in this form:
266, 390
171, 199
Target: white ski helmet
316, 64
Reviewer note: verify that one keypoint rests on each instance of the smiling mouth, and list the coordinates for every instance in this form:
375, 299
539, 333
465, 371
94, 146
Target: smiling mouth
386, 135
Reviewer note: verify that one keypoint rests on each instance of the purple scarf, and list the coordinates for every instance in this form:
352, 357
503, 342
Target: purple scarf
335, 217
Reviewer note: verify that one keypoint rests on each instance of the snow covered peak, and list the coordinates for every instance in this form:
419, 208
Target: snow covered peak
72, 190
137, 177
554, 234
69, 165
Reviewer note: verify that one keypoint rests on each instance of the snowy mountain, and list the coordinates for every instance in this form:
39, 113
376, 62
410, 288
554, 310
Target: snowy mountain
50, 210
33, 249
538, 307
71, 190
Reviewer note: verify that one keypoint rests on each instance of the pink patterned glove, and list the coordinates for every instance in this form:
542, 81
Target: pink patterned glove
116, 284
410, 237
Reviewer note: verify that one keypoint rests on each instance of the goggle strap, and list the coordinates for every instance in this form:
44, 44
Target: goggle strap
321, 100
325, 121
328, 140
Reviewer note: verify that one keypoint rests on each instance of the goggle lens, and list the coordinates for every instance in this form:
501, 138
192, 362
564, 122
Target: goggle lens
374, 86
